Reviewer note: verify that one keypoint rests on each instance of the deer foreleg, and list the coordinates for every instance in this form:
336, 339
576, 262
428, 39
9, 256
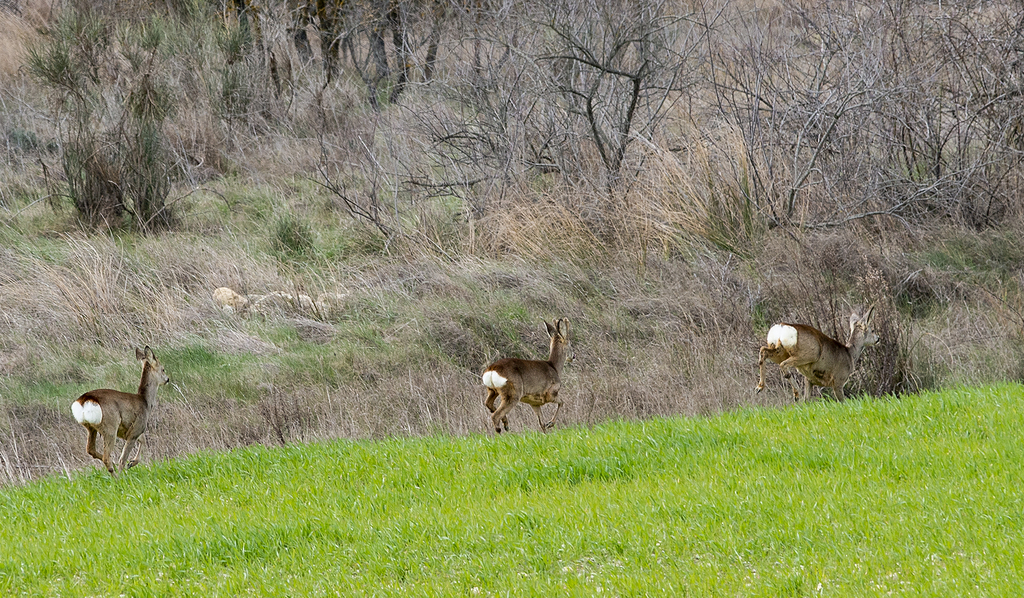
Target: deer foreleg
540, 418
127, 451
558, 407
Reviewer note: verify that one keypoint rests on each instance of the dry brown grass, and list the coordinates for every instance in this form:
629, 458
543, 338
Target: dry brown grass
679, 336
19, 32
670, 281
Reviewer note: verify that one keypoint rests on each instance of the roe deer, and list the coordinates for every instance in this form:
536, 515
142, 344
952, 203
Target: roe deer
532, 382
116, 414
822, 360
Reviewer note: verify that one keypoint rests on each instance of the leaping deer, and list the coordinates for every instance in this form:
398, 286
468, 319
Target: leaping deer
822, 360
116, 414
535, 383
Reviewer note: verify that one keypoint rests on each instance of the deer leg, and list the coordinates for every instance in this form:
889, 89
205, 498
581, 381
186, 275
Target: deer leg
90, 445
793, 362
540, 418
760, 367
787, 366
129, 445
776, 354
792, 385
558, 407
138, 455
500, 416
489, 401
108, 447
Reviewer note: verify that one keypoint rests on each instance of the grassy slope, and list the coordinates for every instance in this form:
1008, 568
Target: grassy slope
915, 496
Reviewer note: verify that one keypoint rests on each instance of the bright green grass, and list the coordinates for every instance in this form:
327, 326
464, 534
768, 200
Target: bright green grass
918, 496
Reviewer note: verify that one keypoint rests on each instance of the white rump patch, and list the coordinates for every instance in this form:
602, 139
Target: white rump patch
782, 334
87, 413
493, 379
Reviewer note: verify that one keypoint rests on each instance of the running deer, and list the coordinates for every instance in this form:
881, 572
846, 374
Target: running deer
116, 414
535, 383
822, 360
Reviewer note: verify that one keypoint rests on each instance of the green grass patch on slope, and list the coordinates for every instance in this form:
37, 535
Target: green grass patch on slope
916, 496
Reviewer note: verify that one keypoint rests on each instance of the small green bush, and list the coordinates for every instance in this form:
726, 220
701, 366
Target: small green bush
293, 237
114, 151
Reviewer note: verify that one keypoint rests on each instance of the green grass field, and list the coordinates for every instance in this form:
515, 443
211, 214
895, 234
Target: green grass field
912, 496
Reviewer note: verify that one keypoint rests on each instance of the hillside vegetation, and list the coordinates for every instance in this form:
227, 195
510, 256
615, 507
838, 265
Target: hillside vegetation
911, 496
438, 178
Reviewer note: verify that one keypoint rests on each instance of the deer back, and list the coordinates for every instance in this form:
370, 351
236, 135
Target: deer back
533, 377
829, 359
528, 376
121, 409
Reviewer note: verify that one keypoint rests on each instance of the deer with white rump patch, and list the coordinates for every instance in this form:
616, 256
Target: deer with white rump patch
535, 383
823, 361
116, 414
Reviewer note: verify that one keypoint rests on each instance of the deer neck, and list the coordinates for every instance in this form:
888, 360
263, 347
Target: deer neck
856, 345
149, 384
557, 356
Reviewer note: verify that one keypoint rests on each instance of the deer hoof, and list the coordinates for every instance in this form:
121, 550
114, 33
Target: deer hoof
758, 388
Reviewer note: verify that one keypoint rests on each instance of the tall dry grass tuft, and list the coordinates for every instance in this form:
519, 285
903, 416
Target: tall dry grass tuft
93, 291
542, 228
13, 43
22, 23
701, 192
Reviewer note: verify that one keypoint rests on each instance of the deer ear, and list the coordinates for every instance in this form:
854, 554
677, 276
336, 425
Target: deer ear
149, 354
565, 333
139, 354
867, 316
552, 331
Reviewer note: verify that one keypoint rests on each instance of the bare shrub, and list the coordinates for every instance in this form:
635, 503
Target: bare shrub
702, 192
114, 153
872, 110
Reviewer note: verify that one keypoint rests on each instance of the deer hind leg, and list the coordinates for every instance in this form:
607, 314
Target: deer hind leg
500, 415
760, 368
492, 394
774, 353
791, 363
489, 401
108, 447
90, 445
788, 375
